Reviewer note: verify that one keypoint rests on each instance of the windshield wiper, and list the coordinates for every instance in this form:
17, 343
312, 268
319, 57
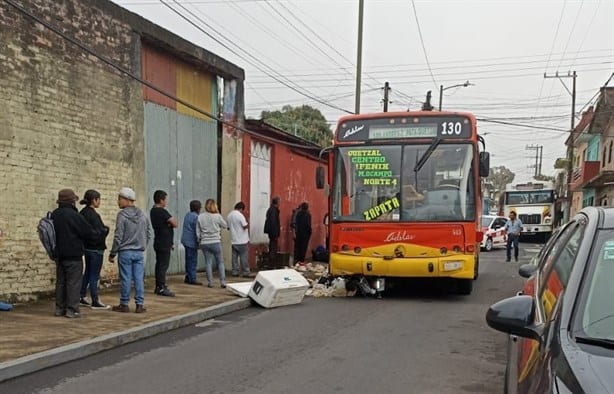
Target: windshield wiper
603, 342
427, 153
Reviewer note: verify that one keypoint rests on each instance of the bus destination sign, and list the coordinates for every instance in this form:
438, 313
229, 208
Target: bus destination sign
403, 131
397, 128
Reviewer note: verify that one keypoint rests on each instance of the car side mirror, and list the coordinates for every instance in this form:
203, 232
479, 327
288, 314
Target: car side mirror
320, 177
515, 315
526, 270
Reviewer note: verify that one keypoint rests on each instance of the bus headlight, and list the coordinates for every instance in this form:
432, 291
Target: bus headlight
547, 220
452, 265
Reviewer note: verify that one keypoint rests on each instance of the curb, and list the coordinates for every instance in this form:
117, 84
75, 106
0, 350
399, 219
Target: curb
49, 358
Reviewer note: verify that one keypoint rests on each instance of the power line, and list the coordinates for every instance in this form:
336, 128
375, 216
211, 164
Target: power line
133, 76
305, 93
426, 58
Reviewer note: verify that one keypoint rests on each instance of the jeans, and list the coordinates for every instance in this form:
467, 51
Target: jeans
91, 276
67, 284
191, 262
512, 241
132, 268
239, 252
163, 259
211, 252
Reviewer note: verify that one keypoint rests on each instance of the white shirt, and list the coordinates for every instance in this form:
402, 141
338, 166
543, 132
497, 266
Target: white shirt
236, 223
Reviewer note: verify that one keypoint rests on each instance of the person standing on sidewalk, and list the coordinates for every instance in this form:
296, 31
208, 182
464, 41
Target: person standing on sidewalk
303, 233
239, 238
189, 240
209, 230
163, 224
94, 250
132, 234
512, 230
272, 227
71, 231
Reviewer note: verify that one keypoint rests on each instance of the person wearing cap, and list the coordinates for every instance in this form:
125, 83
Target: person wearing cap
71, 231
132, 235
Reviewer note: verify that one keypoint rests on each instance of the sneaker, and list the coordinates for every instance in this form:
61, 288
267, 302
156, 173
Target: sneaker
197, 283
121, 308
210, 285
140, 309
223, 285
507, 260
59, 312
72, 315
83, 301
99, 305
165, 292
235, 274
248, 275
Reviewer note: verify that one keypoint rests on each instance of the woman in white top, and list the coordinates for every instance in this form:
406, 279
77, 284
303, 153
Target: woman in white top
209, 233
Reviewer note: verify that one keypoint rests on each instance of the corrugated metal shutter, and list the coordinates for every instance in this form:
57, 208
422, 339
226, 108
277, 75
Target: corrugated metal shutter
181, 159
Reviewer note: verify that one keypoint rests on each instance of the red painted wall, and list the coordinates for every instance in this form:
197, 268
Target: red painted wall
293, 180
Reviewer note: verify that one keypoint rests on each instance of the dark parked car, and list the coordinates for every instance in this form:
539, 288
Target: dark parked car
561, 325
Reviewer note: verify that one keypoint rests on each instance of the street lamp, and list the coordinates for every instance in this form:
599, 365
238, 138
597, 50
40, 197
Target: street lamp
441, 89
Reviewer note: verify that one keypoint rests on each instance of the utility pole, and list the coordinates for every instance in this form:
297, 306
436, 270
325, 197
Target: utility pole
361, 6
386, 101
537, 149
570, 146
541, 156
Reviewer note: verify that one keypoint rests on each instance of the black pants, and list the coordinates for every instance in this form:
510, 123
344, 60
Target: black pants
68, 276
273, 248
163, 259
300, 247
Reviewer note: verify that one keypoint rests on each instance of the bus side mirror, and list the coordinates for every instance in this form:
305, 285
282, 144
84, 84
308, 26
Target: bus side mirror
484, 164
320, 177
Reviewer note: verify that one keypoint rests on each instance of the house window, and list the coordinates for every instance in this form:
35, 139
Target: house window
603, 158
610, 153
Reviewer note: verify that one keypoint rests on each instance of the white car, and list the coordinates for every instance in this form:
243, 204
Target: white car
494, 235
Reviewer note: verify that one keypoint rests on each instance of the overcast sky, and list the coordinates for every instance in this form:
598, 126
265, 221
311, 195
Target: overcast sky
503, 48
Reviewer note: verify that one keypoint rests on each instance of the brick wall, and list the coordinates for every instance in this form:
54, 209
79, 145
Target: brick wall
67, 120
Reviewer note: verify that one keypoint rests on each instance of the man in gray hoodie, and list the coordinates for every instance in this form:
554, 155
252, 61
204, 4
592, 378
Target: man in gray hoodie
132, 234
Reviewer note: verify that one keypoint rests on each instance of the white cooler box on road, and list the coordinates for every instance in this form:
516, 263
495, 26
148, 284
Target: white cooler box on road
278, 287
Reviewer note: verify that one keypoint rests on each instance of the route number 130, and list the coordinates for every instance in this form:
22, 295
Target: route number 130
451, 128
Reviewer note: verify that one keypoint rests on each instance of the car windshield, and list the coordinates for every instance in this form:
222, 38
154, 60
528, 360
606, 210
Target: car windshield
486, 221
598, 312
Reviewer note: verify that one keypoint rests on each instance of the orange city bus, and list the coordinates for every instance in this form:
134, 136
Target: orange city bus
404, 197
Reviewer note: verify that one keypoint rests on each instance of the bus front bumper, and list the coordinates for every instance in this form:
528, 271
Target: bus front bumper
457, 266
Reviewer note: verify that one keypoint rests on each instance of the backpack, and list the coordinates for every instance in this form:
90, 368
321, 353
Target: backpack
46, 233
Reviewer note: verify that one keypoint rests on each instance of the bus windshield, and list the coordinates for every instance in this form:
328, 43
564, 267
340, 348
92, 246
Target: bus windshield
384, 183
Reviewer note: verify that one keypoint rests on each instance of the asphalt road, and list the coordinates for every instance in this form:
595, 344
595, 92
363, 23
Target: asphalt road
417, 340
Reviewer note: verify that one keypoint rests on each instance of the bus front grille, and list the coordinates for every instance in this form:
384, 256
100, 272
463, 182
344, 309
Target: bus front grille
530, 219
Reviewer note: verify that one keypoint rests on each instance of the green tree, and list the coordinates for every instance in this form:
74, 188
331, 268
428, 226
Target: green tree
500, 176
304, 121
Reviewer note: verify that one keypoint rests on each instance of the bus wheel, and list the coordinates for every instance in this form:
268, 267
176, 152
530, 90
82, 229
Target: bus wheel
464, 286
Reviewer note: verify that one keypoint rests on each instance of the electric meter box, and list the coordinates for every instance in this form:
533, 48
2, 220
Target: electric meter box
281, 287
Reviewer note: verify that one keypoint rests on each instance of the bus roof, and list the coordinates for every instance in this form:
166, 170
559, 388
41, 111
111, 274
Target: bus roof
379, 115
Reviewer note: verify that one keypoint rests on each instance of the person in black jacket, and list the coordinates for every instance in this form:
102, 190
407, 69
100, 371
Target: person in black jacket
71, 231
94, 250
272, 227
303, 233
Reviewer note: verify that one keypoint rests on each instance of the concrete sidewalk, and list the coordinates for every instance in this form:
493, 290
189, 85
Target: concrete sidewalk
32, 338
